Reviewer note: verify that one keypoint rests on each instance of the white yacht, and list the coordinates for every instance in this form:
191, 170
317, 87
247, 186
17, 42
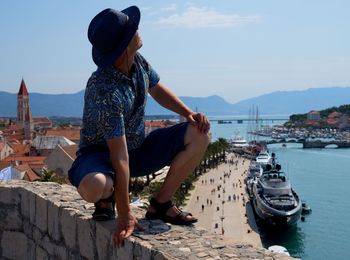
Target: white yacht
263, 158
274, 200
238, 141
279, 249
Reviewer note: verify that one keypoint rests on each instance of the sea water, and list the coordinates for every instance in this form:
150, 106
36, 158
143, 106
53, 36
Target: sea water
322, 178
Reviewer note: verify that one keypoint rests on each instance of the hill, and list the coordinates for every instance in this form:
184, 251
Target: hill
279, 102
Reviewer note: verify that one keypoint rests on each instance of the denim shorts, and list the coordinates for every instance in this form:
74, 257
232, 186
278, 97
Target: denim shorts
157, 151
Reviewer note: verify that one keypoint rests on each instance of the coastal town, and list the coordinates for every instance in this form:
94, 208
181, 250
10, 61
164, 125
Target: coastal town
32, 145
221, 191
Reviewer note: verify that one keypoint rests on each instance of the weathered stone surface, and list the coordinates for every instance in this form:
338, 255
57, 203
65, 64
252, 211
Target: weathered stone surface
68, 228
31, 247
36, 235
24, 202
104, 238
10, 218
71, 234
142, 250
202, 254
7, 244
47, 245
10, 196
27, 228
41, 253
176, 242
41, 213
53, 222
185, 249
59, 252
86, 236
32, 208
125, 252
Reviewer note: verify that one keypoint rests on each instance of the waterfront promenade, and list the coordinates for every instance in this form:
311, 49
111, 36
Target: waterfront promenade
228, 214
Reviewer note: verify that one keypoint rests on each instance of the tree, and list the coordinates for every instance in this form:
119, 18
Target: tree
50, 176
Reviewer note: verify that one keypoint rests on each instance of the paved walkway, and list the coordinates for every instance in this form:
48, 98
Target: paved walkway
225, 215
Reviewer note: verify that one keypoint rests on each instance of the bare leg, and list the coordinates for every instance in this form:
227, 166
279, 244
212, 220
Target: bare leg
96, 186
183, 165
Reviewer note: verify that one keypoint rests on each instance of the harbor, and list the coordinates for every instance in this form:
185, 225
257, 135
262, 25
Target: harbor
318, 176
221, 203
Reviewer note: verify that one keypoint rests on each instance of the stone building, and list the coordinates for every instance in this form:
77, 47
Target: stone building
24, 115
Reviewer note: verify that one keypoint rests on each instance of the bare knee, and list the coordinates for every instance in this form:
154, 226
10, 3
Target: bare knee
93, 186
194, 135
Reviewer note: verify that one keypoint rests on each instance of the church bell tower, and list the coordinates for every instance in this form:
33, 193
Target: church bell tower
24, 116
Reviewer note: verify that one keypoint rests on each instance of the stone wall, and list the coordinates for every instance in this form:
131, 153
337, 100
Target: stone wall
51, 221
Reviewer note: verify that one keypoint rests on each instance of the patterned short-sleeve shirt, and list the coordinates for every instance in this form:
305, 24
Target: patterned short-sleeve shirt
114, 104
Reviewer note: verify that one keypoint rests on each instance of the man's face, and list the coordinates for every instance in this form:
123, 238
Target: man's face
135, 44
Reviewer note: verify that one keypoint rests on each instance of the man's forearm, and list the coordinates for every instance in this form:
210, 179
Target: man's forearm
121, 185
166, 98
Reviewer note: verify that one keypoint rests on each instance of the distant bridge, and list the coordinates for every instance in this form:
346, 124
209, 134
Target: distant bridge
241, 120
312, 144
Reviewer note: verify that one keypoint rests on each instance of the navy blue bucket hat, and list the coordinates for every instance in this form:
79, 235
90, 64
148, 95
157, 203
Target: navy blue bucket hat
110, 32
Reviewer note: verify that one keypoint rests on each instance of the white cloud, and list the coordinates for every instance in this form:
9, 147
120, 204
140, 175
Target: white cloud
170, 7
151, 11
203, 17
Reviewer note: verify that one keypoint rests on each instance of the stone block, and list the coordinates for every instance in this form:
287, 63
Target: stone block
32, 208
59, 252
142, 250
10, 218
86, 236
41, 213
37, 236
157, 255
125, 252
27, 228
41, 254
53, 222
103, 240
9, 195
7, 244
25, 204
31, 247
69, 228
47, 245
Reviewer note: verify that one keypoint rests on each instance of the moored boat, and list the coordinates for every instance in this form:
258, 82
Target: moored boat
238, 141
263, 157
274, 200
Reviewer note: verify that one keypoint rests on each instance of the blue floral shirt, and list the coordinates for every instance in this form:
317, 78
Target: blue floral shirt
114, 104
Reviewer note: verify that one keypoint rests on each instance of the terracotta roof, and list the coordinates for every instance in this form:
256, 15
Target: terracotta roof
42, 120
332, 121
11, 128
31, 175
23, 89
14, 157
334, 114
71, 134
314, 112
19, 149
159, 123
309, 122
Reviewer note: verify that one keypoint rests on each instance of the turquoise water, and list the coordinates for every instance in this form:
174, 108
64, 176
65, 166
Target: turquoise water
322, 178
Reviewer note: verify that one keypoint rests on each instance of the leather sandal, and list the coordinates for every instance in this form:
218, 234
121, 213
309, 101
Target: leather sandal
104, 214
161, 210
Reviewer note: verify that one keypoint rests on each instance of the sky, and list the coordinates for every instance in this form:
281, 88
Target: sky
236, 49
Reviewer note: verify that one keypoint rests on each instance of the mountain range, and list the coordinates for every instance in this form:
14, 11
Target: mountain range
278, 102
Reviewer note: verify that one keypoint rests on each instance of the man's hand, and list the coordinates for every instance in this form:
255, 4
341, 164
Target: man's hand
200, 120
126, 223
